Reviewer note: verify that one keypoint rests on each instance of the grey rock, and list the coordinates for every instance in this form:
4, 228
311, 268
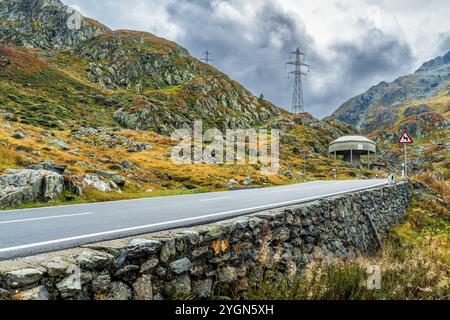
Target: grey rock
126, 164
248, 181
168, 251
49, 166
119, 291
127, 271
23, 277
70, 286
51, 33
93, 181
24, 185
18, 135
149, 265
93, 260
194, 237
139, 248
143, 289
218, 259
119, 180
197, 253
161, 272
56, 267
60, 144
181, 266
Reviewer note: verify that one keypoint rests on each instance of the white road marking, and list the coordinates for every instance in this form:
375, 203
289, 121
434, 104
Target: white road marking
215, 199
106, 233
2, 212
47, 218
304, 189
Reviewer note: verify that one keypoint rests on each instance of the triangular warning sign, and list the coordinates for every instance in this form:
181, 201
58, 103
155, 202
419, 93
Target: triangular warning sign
405, 138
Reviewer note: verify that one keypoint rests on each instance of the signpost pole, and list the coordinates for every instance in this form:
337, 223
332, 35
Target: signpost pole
406, 162
405, 139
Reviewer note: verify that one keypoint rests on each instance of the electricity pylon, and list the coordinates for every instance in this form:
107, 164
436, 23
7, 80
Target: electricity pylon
297, 99
206, 58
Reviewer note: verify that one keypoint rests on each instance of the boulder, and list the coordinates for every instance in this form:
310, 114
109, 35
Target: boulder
25, 185
120, 181
93, 181
23, 277
18, 135
49, 166
60, 144
126, 164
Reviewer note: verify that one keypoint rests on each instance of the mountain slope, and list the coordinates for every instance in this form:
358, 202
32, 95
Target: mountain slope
380, 105
418, 103
145, 82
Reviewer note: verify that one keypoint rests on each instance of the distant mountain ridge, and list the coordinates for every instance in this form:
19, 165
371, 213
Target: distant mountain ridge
377, 106
418, 103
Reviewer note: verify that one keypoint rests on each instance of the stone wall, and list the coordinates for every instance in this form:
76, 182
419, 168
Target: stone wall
193, 261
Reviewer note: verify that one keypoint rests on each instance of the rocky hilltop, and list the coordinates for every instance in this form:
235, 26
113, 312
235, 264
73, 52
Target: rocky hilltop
144, 81
44, 24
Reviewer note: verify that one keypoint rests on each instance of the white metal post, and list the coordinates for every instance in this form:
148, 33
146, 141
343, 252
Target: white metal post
406, 162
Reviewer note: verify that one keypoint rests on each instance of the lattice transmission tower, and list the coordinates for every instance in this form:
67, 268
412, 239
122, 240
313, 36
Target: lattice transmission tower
298, 105
206, 57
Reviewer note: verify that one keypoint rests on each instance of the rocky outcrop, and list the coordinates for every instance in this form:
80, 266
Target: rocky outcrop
25, 185
108, 138
44, 24
195, 261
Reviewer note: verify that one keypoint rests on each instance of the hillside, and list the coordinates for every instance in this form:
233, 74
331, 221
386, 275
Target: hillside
380, 105
98, 106
418, 103
141, 81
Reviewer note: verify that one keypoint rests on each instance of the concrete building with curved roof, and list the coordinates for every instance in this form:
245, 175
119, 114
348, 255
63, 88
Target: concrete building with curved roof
352, 148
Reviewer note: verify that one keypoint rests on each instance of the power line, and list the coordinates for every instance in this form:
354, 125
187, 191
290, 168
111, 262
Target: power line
298, 105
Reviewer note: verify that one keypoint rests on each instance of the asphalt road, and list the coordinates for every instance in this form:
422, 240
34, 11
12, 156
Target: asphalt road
33, 231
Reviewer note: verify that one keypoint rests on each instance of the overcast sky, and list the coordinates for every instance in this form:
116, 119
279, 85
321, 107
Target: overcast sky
350, 44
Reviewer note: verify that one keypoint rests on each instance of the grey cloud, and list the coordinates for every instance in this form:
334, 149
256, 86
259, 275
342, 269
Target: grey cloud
254, 50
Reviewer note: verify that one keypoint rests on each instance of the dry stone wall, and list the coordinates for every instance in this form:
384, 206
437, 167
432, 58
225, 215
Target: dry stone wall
194, 261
